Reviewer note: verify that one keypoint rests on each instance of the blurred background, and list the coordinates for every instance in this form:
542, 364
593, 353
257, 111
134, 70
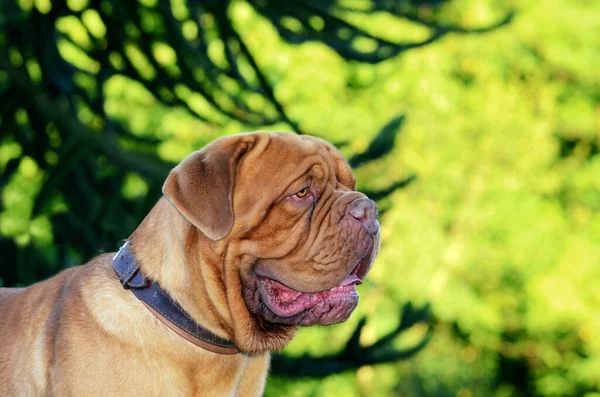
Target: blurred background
475, 124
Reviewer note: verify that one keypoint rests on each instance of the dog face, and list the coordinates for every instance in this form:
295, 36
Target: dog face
296, 237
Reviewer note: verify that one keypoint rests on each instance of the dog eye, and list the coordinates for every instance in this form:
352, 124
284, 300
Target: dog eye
302, 193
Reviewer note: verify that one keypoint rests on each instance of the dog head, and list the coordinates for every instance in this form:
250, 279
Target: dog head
293, 235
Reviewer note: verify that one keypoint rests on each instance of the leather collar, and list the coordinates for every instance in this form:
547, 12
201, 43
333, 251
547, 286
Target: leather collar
164, 307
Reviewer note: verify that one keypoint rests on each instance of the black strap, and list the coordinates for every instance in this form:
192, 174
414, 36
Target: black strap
150, 293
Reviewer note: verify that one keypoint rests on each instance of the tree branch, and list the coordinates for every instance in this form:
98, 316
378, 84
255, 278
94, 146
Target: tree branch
354, 356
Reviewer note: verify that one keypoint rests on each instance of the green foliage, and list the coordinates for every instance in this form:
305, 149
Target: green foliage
499, 232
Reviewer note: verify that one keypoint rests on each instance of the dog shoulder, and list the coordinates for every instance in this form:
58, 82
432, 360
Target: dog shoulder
31, 320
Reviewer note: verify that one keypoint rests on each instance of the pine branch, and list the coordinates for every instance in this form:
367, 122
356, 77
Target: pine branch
150, 168
354, 355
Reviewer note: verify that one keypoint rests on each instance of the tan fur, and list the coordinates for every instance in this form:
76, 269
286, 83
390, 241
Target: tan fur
81, 334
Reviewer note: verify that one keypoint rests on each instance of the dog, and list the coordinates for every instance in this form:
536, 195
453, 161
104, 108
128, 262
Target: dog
255, 235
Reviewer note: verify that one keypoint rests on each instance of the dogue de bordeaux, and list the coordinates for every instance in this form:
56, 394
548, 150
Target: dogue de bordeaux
255, 235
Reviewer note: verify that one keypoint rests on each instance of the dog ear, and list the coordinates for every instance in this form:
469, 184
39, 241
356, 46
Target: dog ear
201, 186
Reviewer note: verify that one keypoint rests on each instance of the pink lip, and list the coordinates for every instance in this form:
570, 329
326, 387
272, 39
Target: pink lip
286, 302
351, 279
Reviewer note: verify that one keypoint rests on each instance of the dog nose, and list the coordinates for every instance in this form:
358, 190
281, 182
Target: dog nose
364, 210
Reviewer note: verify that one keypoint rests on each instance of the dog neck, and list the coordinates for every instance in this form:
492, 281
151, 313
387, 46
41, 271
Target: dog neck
167, 248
